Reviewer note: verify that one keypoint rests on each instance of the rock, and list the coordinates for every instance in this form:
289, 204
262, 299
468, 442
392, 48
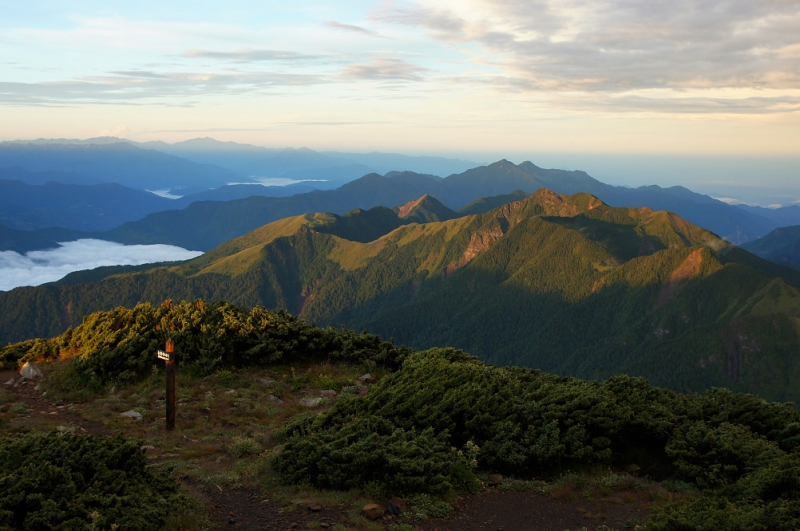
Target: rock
494, 480
360, 389
315, 508
327, 393
31, 370
373, 511
147, 448
310, 402
65, 429
396, 506
275, 400
267, 381
365, 378
132, 414
10, 382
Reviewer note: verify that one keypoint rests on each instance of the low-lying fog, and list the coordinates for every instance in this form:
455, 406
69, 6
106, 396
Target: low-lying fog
39, 267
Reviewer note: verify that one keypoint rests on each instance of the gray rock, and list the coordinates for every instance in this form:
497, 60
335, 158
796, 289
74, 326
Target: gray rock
132, 414
10, 382
310, 402
365, 378
267, 381
65, 429
31, 370
396, 506
327, 393
275, 400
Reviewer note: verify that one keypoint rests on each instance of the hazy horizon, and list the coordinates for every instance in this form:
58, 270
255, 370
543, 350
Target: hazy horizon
631, 92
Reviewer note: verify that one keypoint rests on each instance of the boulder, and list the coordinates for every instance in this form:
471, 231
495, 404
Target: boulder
365, 378
31, 370
396, 506
327, 393
494, 480
131, 414
310, 402
373, 511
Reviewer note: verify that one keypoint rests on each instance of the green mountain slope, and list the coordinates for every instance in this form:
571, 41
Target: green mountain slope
566, 284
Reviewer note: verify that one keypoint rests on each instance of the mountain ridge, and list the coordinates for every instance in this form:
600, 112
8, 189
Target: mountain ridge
564, 283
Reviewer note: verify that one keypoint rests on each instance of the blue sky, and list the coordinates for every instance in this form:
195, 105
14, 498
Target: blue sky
481, 79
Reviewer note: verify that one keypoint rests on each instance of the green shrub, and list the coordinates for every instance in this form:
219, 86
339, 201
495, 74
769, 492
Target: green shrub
368, 451
60, 482
244, 447
120, 345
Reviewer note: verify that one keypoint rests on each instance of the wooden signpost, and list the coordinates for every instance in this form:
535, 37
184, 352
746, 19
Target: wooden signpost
168, 355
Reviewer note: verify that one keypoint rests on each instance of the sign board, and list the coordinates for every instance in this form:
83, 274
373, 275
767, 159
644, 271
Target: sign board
163, 355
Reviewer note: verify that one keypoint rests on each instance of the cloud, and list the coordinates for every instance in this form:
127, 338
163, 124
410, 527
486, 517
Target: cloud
729, 200
616, 46
350, 28
131, 87
120, 131
247, 55
384, 68
38, 267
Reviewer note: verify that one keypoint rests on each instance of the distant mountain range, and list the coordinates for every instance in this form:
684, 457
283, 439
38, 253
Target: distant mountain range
563, 283
123, 212
160, 165
781, 246
202, 226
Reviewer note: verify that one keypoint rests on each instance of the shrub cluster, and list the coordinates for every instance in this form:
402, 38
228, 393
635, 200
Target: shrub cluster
120, 345
527, 423
58, 481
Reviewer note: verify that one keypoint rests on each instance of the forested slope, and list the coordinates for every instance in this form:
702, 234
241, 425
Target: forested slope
566, 284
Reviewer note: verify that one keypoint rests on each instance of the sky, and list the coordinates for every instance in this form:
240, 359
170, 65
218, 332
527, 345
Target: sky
573, 83
38, 267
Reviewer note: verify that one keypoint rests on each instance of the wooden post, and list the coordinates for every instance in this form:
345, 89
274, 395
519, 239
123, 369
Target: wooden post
170, 384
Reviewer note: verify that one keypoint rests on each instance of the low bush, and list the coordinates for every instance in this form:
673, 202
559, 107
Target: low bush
56, 481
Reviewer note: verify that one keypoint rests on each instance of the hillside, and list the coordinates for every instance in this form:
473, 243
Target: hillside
781, 246
566, 284
276, 414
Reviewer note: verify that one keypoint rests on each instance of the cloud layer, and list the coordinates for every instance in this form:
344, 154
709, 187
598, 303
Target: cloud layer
39, 267
621, 45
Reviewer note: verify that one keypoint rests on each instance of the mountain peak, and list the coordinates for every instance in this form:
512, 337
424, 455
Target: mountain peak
404, 210
424, 209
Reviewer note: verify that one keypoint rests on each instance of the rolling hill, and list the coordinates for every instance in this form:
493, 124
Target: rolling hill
565, 284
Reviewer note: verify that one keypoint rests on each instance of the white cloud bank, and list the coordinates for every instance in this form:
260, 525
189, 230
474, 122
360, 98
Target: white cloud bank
39, 267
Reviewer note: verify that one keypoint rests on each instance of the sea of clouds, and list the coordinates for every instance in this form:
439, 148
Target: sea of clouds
38, 267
